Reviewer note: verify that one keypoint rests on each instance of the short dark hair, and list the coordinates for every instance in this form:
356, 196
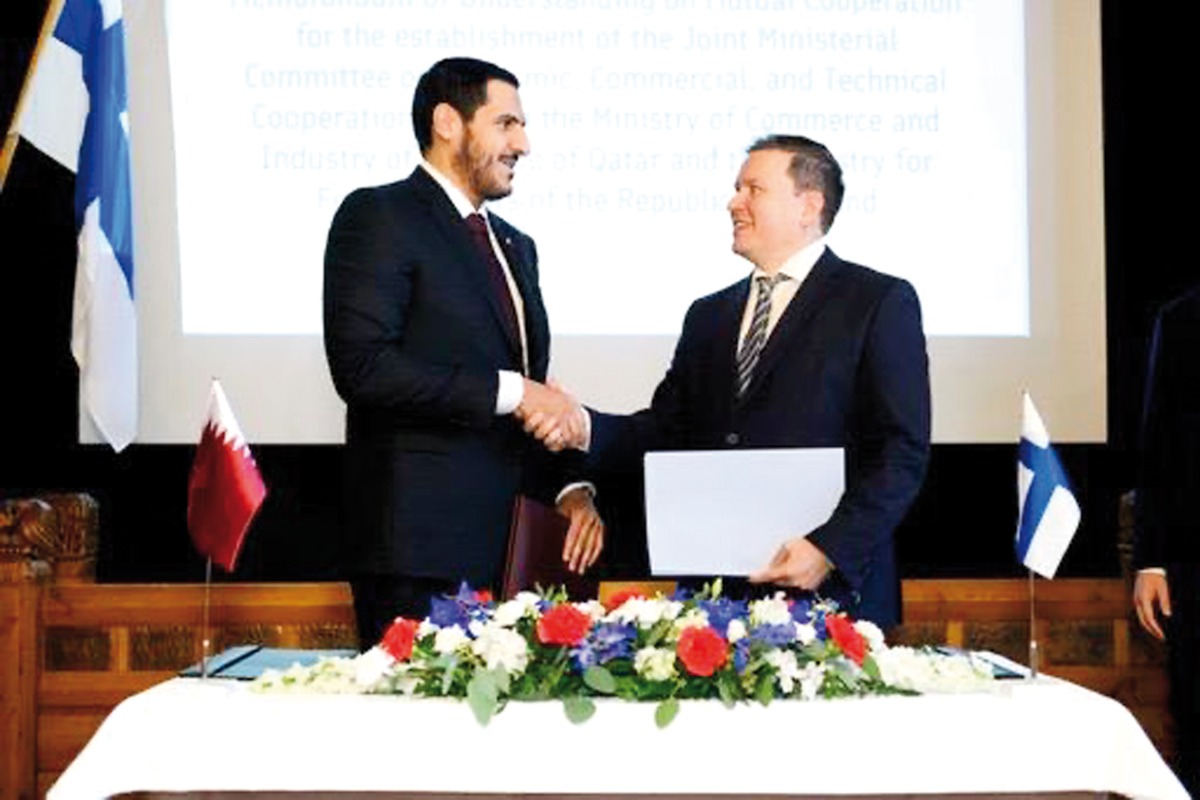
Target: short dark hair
812, 167
461, 82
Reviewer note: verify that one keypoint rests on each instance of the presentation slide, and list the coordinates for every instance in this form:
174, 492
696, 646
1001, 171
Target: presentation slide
968, 132
639, 114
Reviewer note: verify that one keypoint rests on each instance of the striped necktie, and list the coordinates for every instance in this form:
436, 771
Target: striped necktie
756, 334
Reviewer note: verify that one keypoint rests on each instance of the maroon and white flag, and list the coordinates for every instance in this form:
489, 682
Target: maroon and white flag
225, 489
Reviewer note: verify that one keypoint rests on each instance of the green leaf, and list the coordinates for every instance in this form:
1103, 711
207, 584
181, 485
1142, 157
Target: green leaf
600, 679
764, 692
726, 692
483, 696
578, 709
872, 669
665, 712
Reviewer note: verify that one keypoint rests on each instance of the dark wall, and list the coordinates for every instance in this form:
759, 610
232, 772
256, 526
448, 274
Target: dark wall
962, 524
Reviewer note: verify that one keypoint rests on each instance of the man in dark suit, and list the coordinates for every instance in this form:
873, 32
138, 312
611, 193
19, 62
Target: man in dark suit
830, 355
1167, 540
436, 334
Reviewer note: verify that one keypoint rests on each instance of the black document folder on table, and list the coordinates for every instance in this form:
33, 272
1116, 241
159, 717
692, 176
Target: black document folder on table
248, 661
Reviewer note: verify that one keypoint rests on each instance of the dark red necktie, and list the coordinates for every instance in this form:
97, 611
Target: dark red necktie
479, 234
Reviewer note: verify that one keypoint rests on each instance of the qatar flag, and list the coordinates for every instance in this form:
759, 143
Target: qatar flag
225, 489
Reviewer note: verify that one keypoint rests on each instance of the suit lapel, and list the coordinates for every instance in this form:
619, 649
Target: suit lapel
463, 252
809, 299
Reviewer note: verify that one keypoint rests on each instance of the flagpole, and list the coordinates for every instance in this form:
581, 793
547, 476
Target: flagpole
1033, 645
206, 642
11, 136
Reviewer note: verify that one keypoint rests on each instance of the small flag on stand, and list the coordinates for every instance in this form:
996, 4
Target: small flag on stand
1049, 513
225, 489
74, 109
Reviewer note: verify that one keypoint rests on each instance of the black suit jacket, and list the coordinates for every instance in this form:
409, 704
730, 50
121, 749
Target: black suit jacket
1168, 515
844, 367
414, 337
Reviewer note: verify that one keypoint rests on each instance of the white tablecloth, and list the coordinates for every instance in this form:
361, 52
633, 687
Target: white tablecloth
1027, 736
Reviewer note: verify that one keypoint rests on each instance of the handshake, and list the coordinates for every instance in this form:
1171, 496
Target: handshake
553, 416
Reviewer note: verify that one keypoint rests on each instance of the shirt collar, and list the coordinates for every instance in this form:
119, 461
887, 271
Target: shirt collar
800, 263
456, 195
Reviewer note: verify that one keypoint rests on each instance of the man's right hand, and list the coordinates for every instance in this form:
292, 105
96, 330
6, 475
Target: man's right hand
1150, 595
552, 415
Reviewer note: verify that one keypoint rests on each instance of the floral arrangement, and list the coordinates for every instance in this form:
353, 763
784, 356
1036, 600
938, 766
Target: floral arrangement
540, 646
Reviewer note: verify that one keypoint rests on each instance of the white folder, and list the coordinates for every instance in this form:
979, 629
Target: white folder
726, 512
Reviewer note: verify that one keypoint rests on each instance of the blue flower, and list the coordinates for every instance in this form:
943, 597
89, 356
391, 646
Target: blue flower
605, 642
741, 654
802, 610
773, 635
818, 623
447, 611
458, 609
722, 610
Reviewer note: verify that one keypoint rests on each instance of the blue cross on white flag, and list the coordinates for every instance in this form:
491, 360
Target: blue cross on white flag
74, 109
1049, 513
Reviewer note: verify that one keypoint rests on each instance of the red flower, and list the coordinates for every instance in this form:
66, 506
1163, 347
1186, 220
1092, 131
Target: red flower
564, 624
848, 640
702, 650
617, 599
399, 637
483, 596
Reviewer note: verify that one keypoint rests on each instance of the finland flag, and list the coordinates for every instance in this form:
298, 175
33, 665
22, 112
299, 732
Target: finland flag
74, 109
1049, 513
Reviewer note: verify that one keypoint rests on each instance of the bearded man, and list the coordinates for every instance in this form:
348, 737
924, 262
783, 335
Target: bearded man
436, 336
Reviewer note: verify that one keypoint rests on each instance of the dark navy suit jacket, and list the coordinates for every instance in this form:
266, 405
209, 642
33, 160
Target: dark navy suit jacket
414, 335
844, 367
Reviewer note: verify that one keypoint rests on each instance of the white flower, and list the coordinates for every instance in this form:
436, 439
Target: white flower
655, 663
871, 632
811, 678
806, 634
593, 608
772, 611
501, 647
736, 630
425, 628
695, 618
509, 613
646, 612
371, 667
787, 670
447, 640
926, 671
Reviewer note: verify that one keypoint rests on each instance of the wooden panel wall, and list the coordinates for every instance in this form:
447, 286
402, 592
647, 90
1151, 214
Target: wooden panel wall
70, 652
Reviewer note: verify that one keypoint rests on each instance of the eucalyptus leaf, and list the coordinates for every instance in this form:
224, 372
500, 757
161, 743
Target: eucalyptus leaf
483, 696
600, 679
502, 680
665, 713
578, 709
450, 663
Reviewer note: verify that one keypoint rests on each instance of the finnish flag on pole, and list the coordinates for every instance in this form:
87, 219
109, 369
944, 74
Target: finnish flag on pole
74, 109
1048, 512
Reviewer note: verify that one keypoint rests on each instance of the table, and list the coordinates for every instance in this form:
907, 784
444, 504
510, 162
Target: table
1030, 736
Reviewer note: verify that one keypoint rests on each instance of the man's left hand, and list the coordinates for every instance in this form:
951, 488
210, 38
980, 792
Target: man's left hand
798, 563
585, 537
